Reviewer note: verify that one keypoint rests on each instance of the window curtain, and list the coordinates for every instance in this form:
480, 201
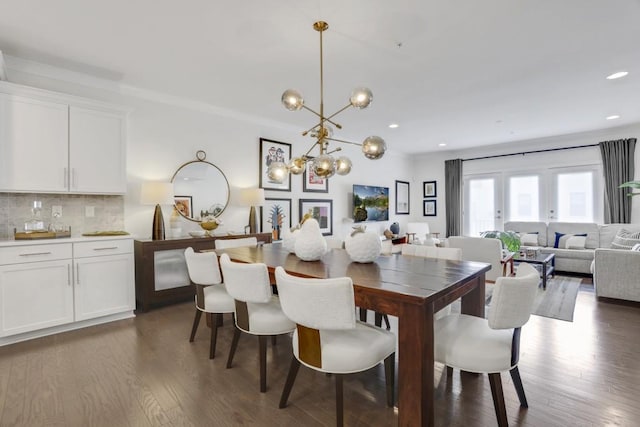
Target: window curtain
618, 168
453, 196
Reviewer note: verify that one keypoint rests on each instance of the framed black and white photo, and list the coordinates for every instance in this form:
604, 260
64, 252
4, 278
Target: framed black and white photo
429, 208
402, 198
312, 183
275, 216
321, 210
273, 151
429, 189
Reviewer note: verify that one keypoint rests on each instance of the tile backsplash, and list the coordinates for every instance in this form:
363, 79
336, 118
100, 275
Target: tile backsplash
16, 209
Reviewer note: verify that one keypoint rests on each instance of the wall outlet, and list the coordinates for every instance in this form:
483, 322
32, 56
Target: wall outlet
56, 211
89, 211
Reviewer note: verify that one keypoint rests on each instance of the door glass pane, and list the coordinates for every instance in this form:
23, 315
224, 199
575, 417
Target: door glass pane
575, 197
524, 198
481, 206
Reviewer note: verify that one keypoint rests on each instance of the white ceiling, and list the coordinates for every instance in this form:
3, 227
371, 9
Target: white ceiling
461, 72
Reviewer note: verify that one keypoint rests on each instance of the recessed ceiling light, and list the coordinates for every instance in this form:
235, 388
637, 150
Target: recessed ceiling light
613, 117
393, 125
617, 75
442, 144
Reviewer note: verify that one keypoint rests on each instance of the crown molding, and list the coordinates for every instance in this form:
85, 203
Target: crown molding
51, 72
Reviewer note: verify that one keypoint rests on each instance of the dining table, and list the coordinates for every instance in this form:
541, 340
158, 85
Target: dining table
408, 287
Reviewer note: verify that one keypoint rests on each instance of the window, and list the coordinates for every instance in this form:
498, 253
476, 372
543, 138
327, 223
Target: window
574, 192
524, 198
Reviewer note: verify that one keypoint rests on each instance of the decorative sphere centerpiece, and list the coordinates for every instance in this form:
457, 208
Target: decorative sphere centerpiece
362, 246
310, 244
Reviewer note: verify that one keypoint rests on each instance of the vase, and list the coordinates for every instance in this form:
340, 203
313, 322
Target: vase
310, 244
209, 226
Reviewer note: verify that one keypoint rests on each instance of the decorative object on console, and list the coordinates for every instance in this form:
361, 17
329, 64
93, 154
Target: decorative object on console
157, 193
252, 197
370, 203
395, 228
324, 164
509, 239
429, 189
402, 198
310, 245
276, 217
210, 223
363, 246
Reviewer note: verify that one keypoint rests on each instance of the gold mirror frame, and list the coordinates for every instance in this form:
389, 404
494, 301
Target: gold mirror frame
200, 159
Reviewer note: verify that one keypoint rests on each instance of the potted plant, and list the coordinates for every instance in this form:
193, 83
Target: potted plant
509, 239
631, 184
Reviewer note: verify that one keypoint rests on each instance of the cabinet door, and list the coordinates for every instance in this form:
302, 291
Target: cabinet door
104, 285
97, 151
35, 295
34, 137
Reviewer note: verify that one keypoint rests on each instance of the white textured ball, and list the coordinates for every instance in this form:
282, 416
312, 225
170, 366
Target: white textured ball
363, 247
310, 244
289, 239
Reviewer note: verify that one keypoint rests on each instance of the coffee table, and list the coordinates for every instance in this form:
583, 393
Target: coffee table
547, 261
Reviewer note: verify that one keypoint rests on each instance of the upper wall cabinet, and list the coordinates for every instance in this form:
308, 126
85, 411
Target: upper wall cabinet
56, 143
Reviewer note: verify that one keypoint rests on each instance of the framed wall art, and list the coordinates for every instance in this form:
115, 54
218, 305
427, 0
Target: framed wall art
312, 183
429, 189
184, 205
429, 208
273, 151
275, 216
402, 198
321, 210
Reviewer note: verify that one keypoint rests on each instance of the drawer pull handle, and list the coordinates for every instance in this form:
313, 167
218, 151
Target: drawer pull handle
105, 249
77, 274
36, 253
69, 274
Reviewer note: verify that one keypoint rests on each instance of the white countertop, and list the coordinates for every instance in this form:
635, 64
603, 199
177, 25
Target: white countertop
5, 243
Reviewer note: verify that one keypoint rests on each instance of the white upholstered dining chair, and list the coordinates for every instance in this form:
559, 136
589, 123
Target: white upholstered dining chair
481, 249
492, 345
211, 295
257, 310
328, 338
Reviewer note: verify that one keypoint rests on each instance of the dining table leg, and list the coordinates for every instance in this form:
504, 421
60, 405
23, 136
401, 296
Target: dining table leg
415, 366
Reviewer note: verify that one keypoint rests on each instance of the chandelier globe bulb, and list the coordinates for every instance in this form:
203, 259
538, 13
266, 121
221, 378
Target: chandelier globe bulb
343, 165
297, 165
292, 100
277, 172
374, 147
324, 166
361, 97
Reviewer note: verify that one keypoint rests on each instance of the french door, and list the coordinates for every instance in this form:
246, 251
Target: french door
482, 204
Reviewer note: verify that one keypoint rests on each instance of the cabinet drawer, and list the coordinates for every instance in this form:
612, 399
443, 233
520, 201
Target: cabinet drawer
102, 247
34, 253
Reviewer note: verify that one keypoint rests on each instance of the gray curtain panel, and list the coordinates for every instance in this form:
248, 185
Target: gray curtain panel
453, 196
618, 168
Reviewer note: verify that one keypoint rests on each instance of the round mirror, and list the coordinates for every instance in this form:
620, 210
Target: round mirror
200, 189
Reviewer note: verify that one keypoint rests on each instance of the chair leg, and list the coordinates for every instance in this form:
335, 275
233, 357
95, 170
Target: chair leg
517, 382
339, 400
449, 371
390, 377
234, 345
498, 399
378, 319
291, 378
274, 340
386, 322
262, 344
214, 333
196, 322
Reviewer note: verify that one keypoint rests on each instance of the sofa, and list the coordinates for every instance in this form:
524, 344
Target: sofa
616, 272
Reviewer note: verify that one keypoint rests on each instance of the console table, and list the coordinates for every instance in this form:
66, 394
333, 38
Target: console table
161, 271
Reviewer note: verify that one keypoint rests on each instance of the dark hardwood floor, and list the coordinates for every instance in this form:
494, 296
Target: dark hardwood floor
144, 372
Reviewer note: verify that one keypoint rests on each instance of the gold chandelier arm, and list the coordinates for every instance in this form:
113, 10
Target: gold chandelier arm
333, 151
322, 119
344, 142
336, 113
306, 155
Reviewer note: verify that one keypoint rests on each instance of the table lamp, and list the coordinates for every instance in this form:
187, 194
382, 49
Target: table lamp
252, 197
157, 193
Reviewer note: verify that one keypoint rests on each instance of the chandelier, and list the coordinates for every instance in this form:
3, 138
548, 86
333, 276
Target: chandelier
324, 164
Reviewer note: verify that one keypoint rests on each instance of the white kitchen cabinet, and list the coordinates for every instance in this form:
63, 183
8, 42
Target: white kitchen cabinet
104, 278
51, 142
36, 289
34, 153
97, 151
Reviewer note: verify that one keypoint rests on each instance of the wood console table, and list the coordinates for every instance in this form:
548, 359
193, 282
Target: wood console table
168, 282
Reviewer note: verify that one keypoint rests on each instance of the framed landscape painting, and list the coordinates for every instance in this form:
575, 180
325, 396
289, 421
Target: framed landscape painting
273, 151
321, 210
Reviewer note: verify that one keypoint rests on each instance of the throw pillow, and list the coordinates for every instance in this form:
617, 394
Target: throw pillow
625, 239
570, 241
636, 247
529, 239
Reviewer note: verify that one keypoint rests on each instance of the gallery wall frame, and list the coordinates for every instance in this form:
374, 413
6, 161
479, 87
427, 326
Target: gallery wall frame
429, 189
273, 151
275, 216
402, 198
312, 183
429, 208
321, 210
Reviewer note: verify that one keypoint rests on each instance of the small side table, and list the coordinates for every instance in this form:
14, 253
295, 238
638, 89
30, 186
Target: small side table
411, 237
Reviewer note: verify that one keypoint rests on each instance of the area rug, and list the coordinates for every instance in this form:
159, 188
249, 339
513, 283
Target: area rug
558, 301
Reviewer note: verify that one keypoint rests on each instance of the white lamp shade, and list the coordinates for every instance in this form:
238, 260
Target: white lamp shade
252, 197
156, 193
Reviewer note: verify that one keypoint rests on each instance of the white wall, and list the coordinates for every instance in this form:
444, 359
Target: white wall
428, 167
165, 132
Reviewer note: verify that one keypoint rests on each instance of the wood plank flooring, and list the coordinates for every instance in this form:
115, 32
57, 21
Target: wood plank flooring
144, 372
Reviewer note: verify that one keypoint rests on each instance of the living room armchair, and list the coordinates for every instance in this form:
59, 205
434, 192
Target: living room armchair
616, 274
